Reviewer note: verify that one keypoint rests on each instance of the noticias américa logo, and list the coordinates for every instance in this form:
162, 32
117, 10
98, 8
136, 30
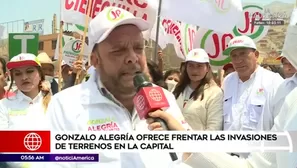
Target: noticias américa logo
32, 141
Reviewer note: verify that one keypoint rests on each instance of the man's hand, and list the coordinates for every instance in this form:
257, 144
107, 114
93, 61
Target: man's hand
77, 66
171, 122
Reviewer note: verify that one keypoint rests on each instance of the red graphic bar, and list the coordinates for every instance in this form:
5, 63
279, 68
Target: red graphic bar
25, 141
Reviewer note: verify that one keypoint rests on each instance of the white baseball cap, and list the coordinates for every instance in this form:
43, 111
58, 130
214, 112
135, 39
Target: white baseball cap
107, 20
239, 42
23, 59
198, 55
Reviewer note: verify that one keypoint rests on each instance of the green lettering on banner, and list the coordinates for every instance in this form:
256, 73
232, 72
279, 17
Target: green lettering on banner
63, 41
76, 46
23, 43
101, 121
186, 34
186, 51
81, 28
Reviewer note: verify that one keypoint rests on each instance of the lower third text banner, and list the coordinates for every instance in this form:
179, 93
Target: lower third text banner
49, 157
91, 142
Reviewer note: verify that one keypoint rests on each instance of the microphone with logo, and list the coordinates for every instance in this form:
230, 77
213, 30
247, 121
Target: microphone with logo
148, 99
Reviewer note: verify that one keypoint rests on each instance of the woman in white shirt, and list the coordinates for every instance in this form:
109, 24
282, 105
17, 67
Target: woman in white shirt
25, 110
197, 94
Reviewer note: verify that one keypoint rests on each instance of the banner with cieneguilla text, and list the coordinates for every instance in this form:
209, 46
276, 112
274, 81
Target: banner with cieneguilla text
180, 34
177, 27
74, 11
40, 146
219, 15
265, 22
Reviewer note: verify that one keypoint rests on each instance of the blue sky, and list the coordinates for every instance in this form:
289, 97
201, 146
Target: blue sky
29, 10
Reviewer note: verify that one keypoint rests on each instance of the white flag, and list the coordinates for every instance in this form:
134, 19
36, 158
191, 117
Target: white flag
290, 44
75, 12
218, 15
163, 37
65, 39
293, 20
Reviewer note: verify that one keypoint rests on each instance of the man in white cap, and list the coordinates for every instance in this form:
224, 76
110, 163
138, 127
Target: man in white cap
48, 68
105, 101
275, 100
246, 89
288, 68
286, 120
287, 58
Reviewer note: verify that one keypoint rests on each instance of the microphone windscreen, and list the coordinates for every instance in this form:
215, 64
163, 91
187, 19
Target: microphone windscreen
140, 79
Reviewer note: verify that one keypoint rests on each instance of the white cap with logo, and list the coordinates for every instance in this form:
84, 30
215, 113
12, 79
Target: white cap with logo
198, 55
239, 42
107, 20
23, 59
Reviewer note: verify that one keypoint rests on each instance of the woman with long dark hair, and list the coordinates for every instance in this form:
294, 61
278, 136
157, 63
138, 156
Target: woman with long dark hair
198, 95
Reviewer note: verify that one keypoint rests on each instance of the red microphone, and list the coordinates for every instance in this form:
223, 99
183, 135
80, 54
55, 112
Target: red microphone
149, 98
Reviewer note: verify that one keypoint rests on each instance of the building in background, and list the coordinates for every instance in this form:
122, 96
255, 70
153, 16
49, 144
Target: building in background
48, 43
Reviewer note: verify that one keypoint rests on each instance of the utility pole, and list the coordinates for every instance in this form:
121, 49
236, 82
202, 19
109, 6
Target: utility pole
54, 24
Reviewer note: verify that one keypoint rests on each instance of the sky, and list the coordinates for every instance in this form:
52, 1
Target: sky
29, 10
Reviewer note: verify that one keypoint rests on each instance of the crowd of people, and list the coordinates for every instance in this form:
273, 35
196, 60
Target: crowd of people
247, 97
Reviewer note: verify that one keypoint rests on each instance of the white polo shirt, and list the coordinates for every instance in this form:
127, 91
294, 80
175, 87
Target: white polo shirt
20, 112
275, 101
86, 107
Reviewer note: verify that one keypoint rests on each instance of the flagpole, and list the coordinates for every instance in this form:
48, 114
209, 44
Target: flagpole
60, 55
80, 57
60, 58
157, 31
